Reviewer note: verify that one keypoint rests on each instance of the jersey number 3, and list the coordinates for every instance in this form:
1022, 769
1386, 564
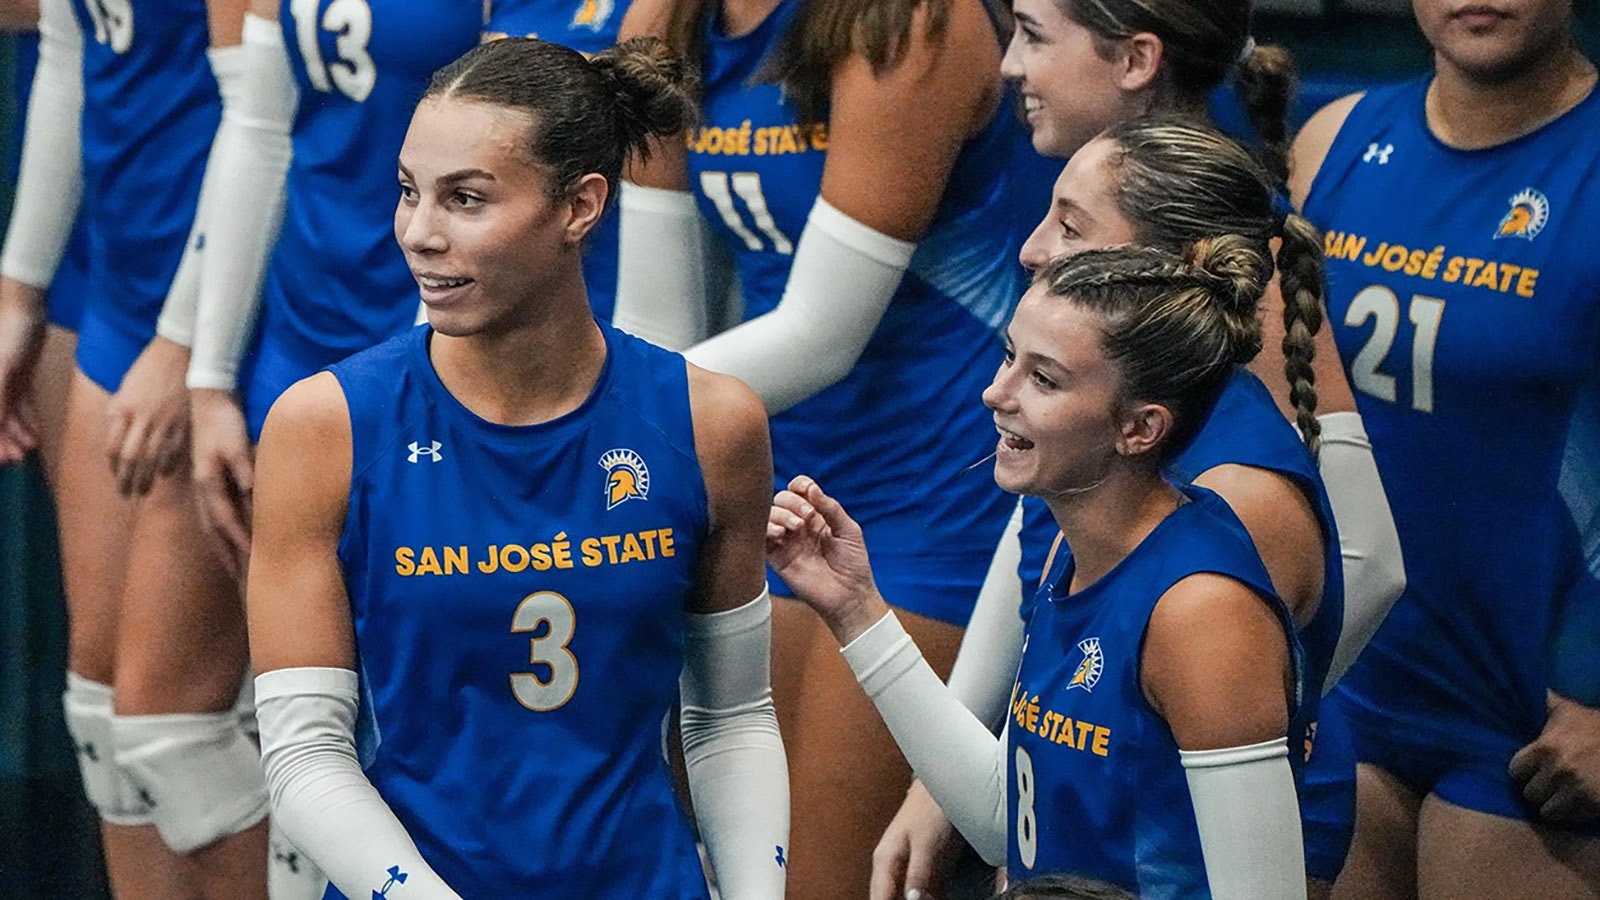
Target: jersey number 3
1379, 303
352, 71
536, 612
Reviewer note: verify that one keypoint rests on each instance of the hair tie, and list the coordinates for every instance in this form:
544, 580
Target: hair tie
1247, 51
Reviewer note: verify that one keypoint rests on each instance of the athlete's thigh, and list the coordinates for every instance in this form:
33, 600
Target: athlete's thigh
52, 381
181, 645
847, 776
1383, 855
1462, 852
96, 525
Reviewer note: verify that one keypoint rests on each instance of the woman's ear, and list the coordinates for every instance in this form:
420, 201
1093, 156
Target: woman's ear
1145, 427
1139, 61
586, 201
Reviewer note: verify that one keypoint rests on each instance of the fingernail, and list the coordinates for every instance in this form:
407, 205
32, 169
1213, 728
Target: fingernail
914, 894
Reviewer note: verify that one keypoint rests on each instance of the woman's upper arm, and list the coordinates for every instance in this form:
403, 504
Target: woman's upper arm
1311, 145
266, 9
1283, 526
298, 608
1216, 664
893, 136
735, 454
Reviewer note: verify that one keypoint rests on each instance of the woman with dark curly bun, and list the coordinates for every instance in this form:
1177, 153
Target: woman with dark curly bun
486, 549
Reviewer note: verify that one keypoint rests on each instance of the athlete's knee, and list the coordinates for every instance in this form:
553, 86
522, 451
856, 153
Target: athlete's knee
200, 773
88, 712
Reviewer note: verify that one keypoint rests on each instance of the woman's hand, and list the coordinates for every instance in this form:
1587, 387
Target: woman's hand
22, 327
224, 474
148, 418
917, 851
816, 548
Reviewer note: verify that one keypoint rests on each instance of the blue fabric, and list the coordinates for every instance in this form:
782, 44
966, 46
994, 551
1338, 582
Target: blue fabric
1468, 316
150, 110
1095, 781
465, 540
901, 441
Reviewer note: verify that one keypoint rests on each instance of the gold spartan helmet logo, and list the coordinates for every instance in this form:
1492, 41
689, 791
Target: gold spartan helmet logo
620, 486
592, 14
627, 478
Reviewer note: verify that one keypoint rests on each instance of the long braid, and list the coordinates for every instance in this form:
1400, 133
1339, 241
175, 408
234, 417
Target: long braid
1300, 262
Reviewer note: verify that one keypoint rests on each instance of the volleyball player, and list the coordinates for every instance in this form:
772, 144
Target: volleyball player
1470, 365
1156, 650
484, 550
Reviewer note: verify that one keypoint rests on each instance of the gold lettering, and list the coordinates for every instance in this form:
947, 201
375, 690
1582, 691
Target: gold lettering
455, 560
404, 563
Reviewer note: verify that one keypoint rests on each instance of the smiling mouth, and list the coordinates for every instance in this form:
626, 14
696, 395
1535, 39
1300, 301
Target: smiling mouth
1010, 440
437, 283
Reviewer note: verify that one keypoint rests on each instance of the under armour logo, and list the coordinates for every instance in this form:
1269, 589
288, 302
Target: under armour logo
290, 859
431, 452
782, 863
89, 752
395, 877
1381, 154
146, 799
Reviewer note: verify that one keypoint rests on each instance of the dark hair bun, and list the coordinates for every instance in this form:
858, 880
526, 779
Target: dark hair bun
655, 89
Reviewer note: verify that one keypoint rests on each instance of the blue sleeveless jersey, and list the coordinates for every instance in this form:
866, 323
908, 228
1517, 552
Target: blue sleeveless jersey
150, 110
1469, 321
1096, 786
337, 281
900, 440
587, 26
64, 301
518, 597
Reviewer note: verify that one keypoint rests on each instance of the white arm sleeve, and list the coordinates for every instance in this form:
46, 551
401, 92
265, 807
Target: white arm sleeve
992, 645
176, 322
738, 775
242, 202
320, 797
50, 181
662, 287
1249, 821
953, 754
843, 277
1374, 572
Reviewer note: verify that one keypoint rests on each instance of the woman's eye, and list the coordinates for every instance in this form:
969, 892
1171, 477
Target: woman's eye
466, 200
1043, 380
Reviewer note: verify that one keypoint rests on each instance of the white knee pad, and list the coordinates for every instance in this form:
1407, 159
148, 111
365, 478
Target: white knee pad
291, 875
200, 773
88, 711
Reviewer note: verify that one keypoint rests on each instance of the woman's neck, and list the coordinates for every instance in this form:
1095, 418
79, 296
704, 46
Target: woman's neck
740, 17
535, 372
1471, 114
1104, 524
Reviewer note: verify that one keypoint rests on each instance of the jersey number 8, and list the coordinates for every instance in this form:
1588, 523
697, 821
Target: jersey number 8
546, 608
353, 72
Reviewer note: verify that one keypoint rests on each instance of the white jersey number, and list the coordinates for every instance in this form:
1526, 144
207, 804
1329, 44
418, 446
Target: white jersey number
747, 186
113, 23
1027, 819
353, 71
1380, 304
546, 608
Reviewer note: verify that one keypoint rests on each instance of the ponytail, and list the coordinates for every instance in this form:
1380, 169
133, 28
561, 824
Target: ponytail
1266, 79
